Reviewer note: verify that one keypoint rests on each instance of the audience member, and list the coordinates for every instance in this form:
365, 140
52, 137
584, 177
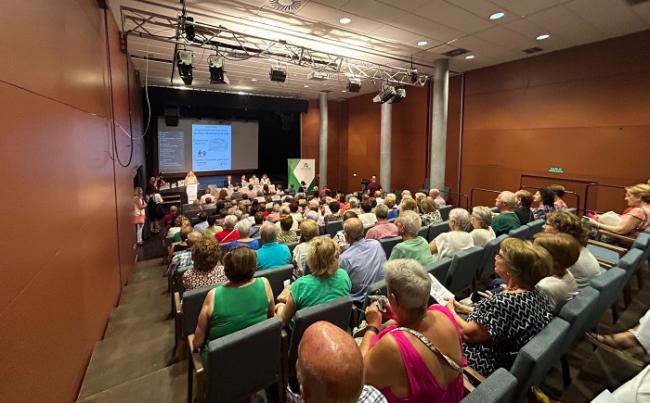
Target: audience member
205, 195
481, 220
587, 266
243, 228
185, 231
506, 220
435, 195
634, 342
368, 218
229, 232
449, 243
498, 326
636, 218
241, 302
422, 360
559, 286
206, 269
558, 200
546, 205
295, 213
334, 214
362, 260
271, 254
325, 282
330, 368
169, 218
354, 206
139, 211
258, 220
383, 228
408, 204
287, 235
308, 231
339, 237
175, 228
203, 222
413, 246
183, 256
524, 211
212, 229
390, 201
429, 212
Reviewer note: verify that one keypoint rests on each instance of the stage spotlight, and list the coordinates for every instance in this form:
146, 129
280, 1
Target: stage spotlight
385, 95
318, 75
189, 28
278, 73
184, 63
354, 84
413, 75
399, 96
215, 63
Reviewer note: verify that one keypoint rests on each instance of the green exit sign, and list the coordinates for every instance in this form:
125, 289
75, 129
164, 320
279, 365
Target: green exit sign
556, 170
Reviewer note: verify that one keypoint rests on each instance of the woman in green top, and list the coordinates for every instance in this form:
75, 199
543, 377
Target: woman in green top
242, 302
325, 283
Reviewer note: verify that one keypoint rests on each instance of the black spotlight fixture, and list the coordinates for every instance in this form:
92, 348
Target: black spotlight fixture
189, 28
184, 63
354, 84
278, 73
215, 63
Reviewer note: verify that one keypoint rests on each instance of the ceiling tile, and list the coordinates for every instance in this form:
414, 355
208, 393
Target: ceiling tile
481, 8
643, 11
452, 16
506, 38
571, 27
526, 7
372, 9
613, 18
406, 5
426, 28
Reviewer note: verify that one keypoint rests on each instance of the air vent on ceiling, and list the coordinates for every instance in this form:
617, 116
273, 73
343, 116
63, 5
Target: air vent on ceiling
534, 49
287, 6
456, 52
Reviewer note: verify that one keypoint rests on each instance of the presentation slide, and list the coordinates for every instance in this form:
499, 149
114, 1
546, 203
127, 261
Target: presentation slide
211, 147
207, 145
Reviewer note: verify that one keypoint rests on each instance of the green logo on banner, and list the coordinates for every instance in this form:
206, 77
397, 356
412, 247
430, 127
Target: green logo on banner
556, 170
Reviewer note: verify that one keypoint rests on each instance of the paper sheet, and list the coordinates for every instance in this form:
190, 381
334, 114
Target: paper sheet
439, 292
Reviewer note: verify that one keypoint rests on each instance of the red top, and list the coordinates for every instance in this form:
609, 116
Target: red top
227, 235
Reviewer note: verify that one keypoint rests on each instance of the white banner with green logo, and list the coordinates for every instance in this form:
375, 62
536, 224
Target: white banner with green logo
302, 170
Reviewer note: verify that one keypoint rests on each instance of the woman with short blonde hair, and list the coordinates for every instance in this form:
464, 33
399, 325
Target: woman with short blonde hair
560, 286
636, 218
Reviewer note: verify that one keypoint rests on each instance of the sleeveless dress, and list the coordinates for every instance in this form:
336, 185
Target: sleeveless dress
423, 387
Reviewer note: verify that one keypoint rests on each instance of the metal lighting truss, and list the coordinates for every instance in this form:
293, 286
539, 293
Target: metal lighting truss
239, 46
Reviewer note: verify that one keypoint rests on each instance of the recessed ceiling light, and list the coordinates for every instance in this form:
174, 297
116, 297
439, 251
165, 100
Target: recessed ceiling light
423, 42
344, 90
253, 79
542, 37
306, 86
345, 20
470, 57
498, 15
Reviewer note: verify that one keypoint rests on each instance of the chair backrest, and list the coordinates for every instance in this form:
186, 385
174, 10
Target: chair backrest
337, 312
333, 227
241, 363
424, 232
444, 212
292, 246
536, 358
631, 261
389, 243
276, 277
439, 269
642, 242
437, 229
577, 312
534, 227
192, 303
610, 285
377, 288
496, 388
491, 249
519, 233
321, 229
464, 266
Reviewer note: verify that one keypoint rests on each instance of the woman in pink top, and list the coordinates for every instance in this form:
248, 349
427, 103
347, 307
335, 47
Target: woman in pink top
417, 357
636, 218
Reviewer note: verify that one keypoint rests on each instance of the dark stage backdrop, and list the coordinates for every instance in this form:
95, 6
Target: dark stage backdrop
279, 122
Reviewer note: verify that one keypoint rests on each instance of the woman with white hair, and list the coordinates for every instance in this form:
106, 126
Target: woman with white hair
413, 246
229, 232
243, 228
481, 220
420, 357
449, 243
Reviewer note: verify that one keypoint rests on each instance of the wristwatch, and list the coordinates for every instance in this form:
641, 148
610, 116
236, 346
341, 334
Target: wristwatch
373, 328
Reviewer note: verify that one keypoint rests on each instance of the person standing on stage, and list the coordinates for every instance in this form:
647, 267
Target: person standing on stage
191, 179
374, 186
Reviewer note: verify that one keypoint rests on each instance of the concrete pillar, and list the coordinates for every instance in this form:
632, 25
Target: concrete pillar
322, 150
440, 98
386, 133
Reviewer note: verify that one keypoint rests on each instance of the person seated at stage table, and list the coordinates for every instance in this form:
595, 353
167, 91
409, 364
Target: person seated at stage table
241, 302
326, 281
413, 246
271, 254
560, 286
308, 231
206, 265
228, 183
449, 243
418, 356
265, 180
636, 218
243, 182
481, 220
506, 220
546, 205
229, 232
435, 195
368, 218
243, 228
291, 190
254, 180
383, 228
497, 327
524, 211
429, 212
287, 235
190, 179
212, 228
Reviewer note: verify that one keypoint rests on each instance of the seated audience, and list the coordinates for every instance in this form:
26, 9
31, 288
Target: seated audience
633, 342
204, 196
419, 358
368, 218
287, 234
241, 302
271, 254
326, 281
560, 286
383, 228
258, 219
176, 228
498, 326
330, 368
295, 214
206, 269
186, 230
362, 260
390, 201
229, 232
449, 243
339, 237
183, 256
334, 214
413, 246
308, 231
170, 217
558, 201
429, 212
212, 229
506, 220
354, 206
203, 222
546, 204
636, 218
243, 228
435, 195
587, 266
408, 204
481, 220
525, 202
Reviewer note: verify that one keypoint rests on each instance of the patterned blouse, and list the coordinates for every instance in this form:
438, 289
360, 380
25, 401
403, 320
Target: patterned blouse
512, 319
197, 279
433, 217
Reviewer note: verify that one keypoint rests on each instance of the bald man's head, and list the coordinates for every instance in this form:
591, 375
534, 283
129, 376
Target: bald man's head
330, 366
